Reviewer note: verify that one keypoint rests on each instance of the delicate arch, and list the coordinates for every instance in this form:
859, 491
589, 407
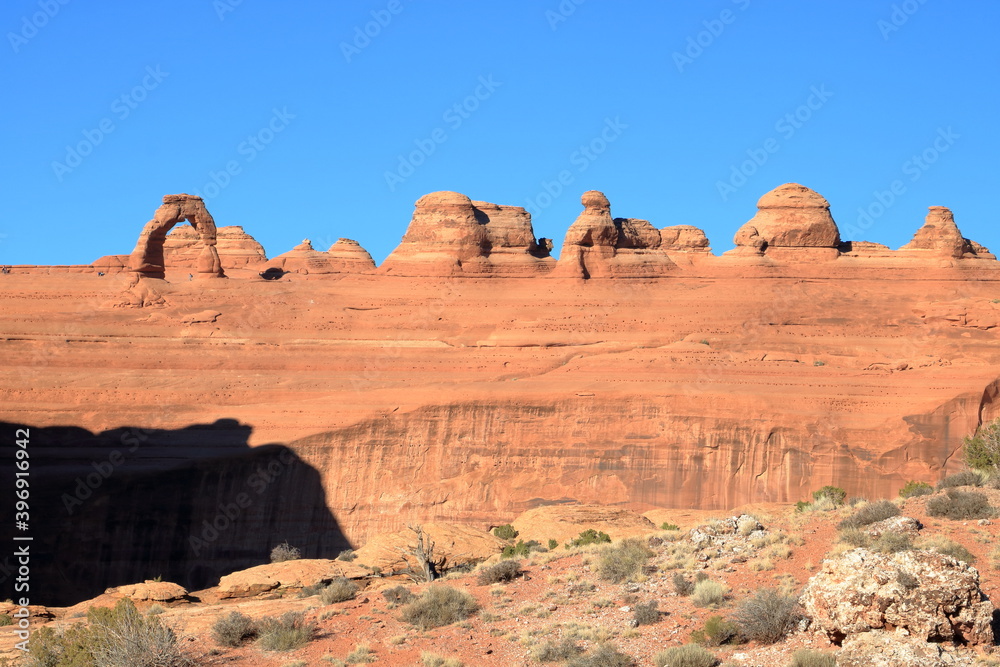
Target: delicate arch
147, 258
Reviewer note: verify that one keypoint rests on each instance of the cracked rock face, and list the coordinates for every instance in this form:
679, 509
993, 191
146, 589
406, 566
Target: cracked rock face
932, 596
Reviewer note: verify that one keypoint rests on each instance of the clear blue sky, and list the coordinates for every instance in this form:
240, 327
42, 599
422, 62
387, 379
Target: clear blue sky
311, 115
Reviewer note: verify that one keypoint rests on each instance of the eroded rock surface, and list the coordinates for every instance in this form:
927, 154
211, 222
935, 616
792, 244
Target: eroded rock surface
790, 216
932, 596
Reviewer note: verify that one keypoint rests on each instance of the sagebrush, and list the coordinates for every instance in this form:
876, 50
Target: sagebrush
439, 605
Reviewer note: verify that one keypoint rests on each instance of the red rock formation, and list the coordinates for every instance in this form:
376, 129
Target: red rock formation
597, 246
707, 384
147, 258
940, 237
350, 257
684, 238
452, 235
790, 216
345, 256
236, 248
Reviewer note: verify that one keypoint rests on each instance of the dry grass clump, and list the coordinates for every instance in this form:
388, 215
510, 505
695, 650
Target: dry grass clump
434, 660
234, 629
361, 654
439, 605
398, 595
283, 552
869, 514
646, 613
623, 561
768, 616
340, 589
502, 572
964, 478
943, 545
717, 631
285, 633
690, 655
708, 593
808, 658
960, 505
559, 651
113, 637
605, 655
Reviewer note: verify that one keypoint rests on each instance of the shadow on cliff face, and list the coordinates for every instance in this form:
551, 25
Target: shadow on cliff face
130, 504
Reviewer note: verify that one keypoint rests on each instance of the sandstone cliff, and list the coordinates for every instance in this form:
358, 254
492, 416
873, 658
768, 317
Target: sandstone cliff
638, 370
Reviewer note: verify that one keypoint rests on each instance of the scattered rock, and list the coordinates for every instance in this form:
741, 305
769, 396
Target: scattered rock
862, 591
893, 649
150, 591
202, 317
289, 574
903, 525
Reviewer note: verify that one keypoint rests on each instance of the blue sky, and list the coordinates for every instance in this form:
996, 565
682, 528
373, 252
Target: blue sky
295, 123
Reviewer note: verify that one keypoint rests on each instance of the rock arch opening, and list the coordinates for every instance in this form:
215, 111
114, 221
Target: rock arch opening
147, 258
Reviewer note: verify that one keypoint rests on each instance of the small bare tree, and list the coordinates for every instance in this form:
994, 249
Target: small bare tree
423, 552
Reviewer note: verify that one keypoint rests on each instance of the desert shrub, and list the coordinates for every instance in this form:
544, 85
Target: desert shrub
689, 655
553, 544
669, 526
943, 545
964, 478
836, 494
912, 489
768, 616
113, 637
717, 631
233, 629
520, 550
590, 536
502, 572
708, 593
285, 633
805, 657
439, 605
957, 504
311, 589
6, 619
982, 450
339, 590
505, 532
645, 613
869, 514
605, 655
856, 537
347, 555
891, 542
682, 585
552, 651
283, 552
398, 595
432, 660
361, 654
802, 506
622, 561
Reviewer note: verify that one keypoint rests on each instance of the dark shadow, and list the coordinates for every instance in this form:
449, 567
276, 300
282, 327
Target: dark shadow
273, 273
189, 505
